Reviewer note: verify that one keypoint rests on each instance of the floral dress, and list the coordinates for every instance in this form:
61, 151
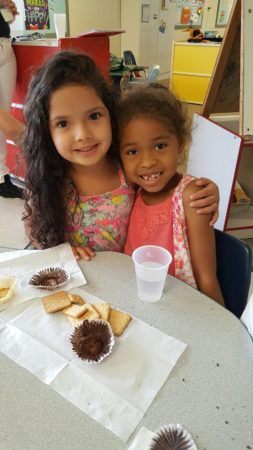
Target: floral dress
100, 221
182, 257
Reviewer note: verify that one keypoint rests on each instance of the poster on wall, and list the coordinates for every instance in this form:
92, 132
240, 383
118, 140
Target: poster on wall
36, 15
189, 13
223, 11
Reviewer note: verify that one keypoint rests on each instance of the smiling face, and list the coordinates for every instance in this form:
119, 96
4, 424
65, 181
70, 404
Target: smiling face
80, 125
149, 153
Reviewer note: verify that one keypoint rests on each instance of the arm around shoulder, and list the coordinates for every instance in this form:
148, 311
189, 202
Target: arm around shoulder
202, 247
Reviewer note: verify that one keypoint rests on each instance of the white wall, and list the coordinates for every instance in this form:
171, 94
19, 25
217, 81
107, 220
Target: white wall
100, 14
149, 45
130, 22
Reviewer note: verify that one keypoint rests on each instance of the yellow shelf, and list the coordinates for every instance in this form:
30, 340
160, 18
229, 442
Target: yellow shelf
192, 67
189, 88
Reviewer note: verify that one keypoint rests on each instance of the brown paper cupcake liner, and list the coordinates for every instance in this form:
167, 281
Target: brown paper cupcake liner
173, 437
93, 340
49, 278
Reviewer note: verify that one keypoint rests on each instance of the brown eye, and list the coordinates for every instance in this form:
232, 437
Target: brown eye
160, 146
62, 124
95, 116
131, 152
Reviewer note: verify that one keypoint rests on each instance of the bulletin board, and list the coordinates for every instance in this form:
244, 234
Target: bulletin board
189, 12
36, 15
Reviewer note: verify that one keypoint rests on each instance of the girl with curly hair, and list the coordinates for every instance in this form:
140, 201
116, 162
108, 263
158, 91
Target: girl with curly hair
76, 191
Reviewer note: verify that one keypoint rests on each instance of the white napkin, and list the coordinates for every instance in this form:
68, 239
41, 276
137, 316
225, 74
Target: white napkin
24, 266
118, 391
15, 253
142, 440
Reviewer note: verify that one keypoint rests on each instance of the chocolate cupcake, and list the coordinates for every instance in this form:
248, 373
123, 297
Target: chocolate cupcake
49, 278
173, 437
93, 340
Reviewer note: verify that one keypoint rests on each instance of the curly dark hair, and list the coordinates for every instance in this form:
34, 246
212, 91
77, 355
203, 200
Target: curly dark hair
47, 171
157, 102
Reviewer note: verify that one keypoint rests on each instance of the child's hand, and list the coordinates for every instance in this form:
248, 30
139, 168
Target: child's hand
206, 199
83, 253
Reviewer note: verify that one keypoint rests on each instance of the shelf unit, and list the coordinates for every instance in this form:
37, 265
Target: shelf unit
191, 71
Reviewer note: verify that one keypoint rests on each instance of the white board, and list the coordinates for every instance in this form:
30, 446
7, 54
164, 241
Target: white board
214, 154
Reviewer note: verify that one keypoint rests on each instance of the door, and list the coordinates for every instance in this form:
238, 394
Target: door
156, 37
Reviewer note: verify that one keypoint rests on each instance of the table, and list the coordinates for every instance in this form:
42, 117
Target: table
209, 391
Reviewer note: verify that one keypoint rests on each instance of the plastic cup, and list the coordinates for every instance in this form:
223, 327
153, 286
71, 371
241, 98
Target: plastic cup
60, 25
151, 264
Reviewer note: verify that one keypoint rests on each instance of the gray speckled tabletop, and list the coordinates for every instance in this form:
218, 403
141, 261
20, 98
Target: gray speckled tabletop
210, 390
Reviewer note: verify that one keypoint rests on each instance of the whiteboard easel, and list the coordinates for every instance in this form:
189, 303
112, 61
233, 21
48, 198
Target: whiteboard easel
231, 94
214, 153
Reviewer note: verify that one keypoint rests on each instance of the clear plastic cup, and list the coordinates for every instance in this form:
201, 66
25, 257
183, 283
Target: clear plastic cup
151, 267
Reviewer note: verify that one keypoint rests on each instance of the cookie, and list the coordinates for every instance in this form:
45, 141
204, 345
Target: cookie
118, 321
103, 309
89, 314
56, 302
75, 311
77, 299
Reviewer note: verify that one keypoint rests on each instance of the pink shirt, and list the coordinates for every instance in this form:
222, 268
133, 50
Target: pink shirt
151, 224
165, 225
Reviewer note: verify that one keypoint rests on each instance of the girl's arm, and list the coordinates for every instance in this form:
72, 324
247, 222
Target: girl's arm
202, 247
11, 127
79, 252
206, 199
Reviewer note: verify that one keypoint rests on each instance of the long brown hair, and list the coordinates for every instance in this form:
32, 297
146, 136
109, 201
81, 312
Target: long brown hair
47, 171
